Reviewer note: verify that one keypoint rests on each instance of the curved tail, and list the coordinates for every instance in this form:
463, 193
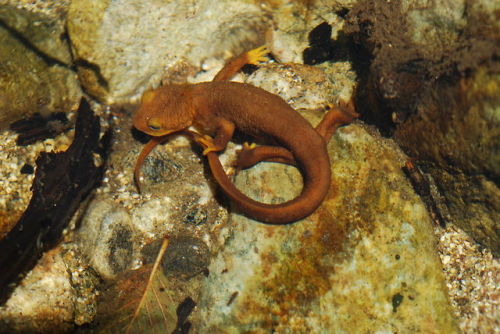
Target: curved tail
312, 195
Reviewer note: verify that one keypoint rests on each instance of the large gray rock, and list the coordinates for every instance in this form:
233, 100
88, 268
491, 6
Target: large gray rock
123, 47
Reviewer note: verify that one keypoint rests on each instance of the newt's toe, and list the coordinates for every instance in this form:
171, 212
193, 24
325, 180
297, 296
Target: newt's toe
249, 146
258, 55
209, 149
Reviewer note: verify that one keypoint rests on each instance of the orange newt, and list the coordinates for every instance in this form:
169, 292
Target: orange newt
215, 109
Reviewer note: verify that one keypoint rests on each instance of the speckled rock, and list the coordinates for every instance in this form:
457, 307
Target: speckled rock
28, 83
122, 48
44, 301
351, 265
472, 274
59, 293
15, 186
303, 86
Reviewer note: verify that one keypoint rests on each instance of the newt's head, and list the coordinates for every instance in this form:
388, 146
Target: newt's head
164, 110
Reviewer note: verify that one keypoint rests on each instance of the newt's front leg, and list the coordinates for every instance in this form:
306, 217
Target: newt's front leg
224, 130
254, 57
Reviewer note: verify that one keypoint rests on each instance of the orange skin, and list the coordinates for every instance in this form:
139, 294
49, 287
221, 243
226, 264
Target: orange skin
215, 109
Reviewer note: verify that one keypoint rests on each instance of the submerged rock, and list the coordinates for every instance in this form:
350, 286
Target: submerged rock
106, 238
364, 260
34, 62
41, 25
29, 84
59, 292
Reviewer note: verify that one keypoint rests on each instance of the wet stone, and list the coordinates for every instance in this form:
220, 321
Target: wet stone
106, 238
29, 84
42, 28
185, 257
337, 269
160, 168
195, 216
116, 65
121, 249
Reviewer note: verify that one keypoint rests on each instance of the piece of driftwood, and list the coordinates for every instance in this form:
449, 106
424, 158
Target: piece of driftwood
62, 180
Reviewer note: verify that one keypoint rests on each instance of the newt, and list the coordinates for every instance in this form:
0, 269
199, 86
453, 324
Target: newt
216, 109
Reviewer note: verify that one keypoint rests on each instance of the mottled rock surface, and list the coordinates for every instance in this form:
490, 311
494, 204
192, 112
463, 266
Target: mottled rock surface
305, 87
292, 18
59, 293
365, 259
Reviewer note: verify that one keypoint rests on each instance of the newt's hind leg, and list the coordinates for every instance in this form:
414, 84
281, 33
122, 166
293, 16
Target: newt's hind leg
250, 155
254, 57
337, 116
333, 119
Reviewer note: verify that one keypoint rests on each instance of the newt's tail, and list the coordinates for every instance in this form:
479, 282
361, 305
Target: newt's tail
307, 202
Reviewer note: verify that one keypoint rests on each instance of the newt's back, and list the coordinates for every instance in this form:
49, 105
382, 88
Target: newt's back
259, 113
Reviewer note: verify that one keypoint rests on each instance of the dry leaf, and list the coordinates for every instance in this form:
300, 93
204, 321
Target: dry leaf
138, 302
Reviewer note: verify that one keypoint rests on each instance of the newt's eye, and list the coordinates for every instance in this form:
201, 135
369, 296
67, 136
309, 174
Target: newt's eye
154, 124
